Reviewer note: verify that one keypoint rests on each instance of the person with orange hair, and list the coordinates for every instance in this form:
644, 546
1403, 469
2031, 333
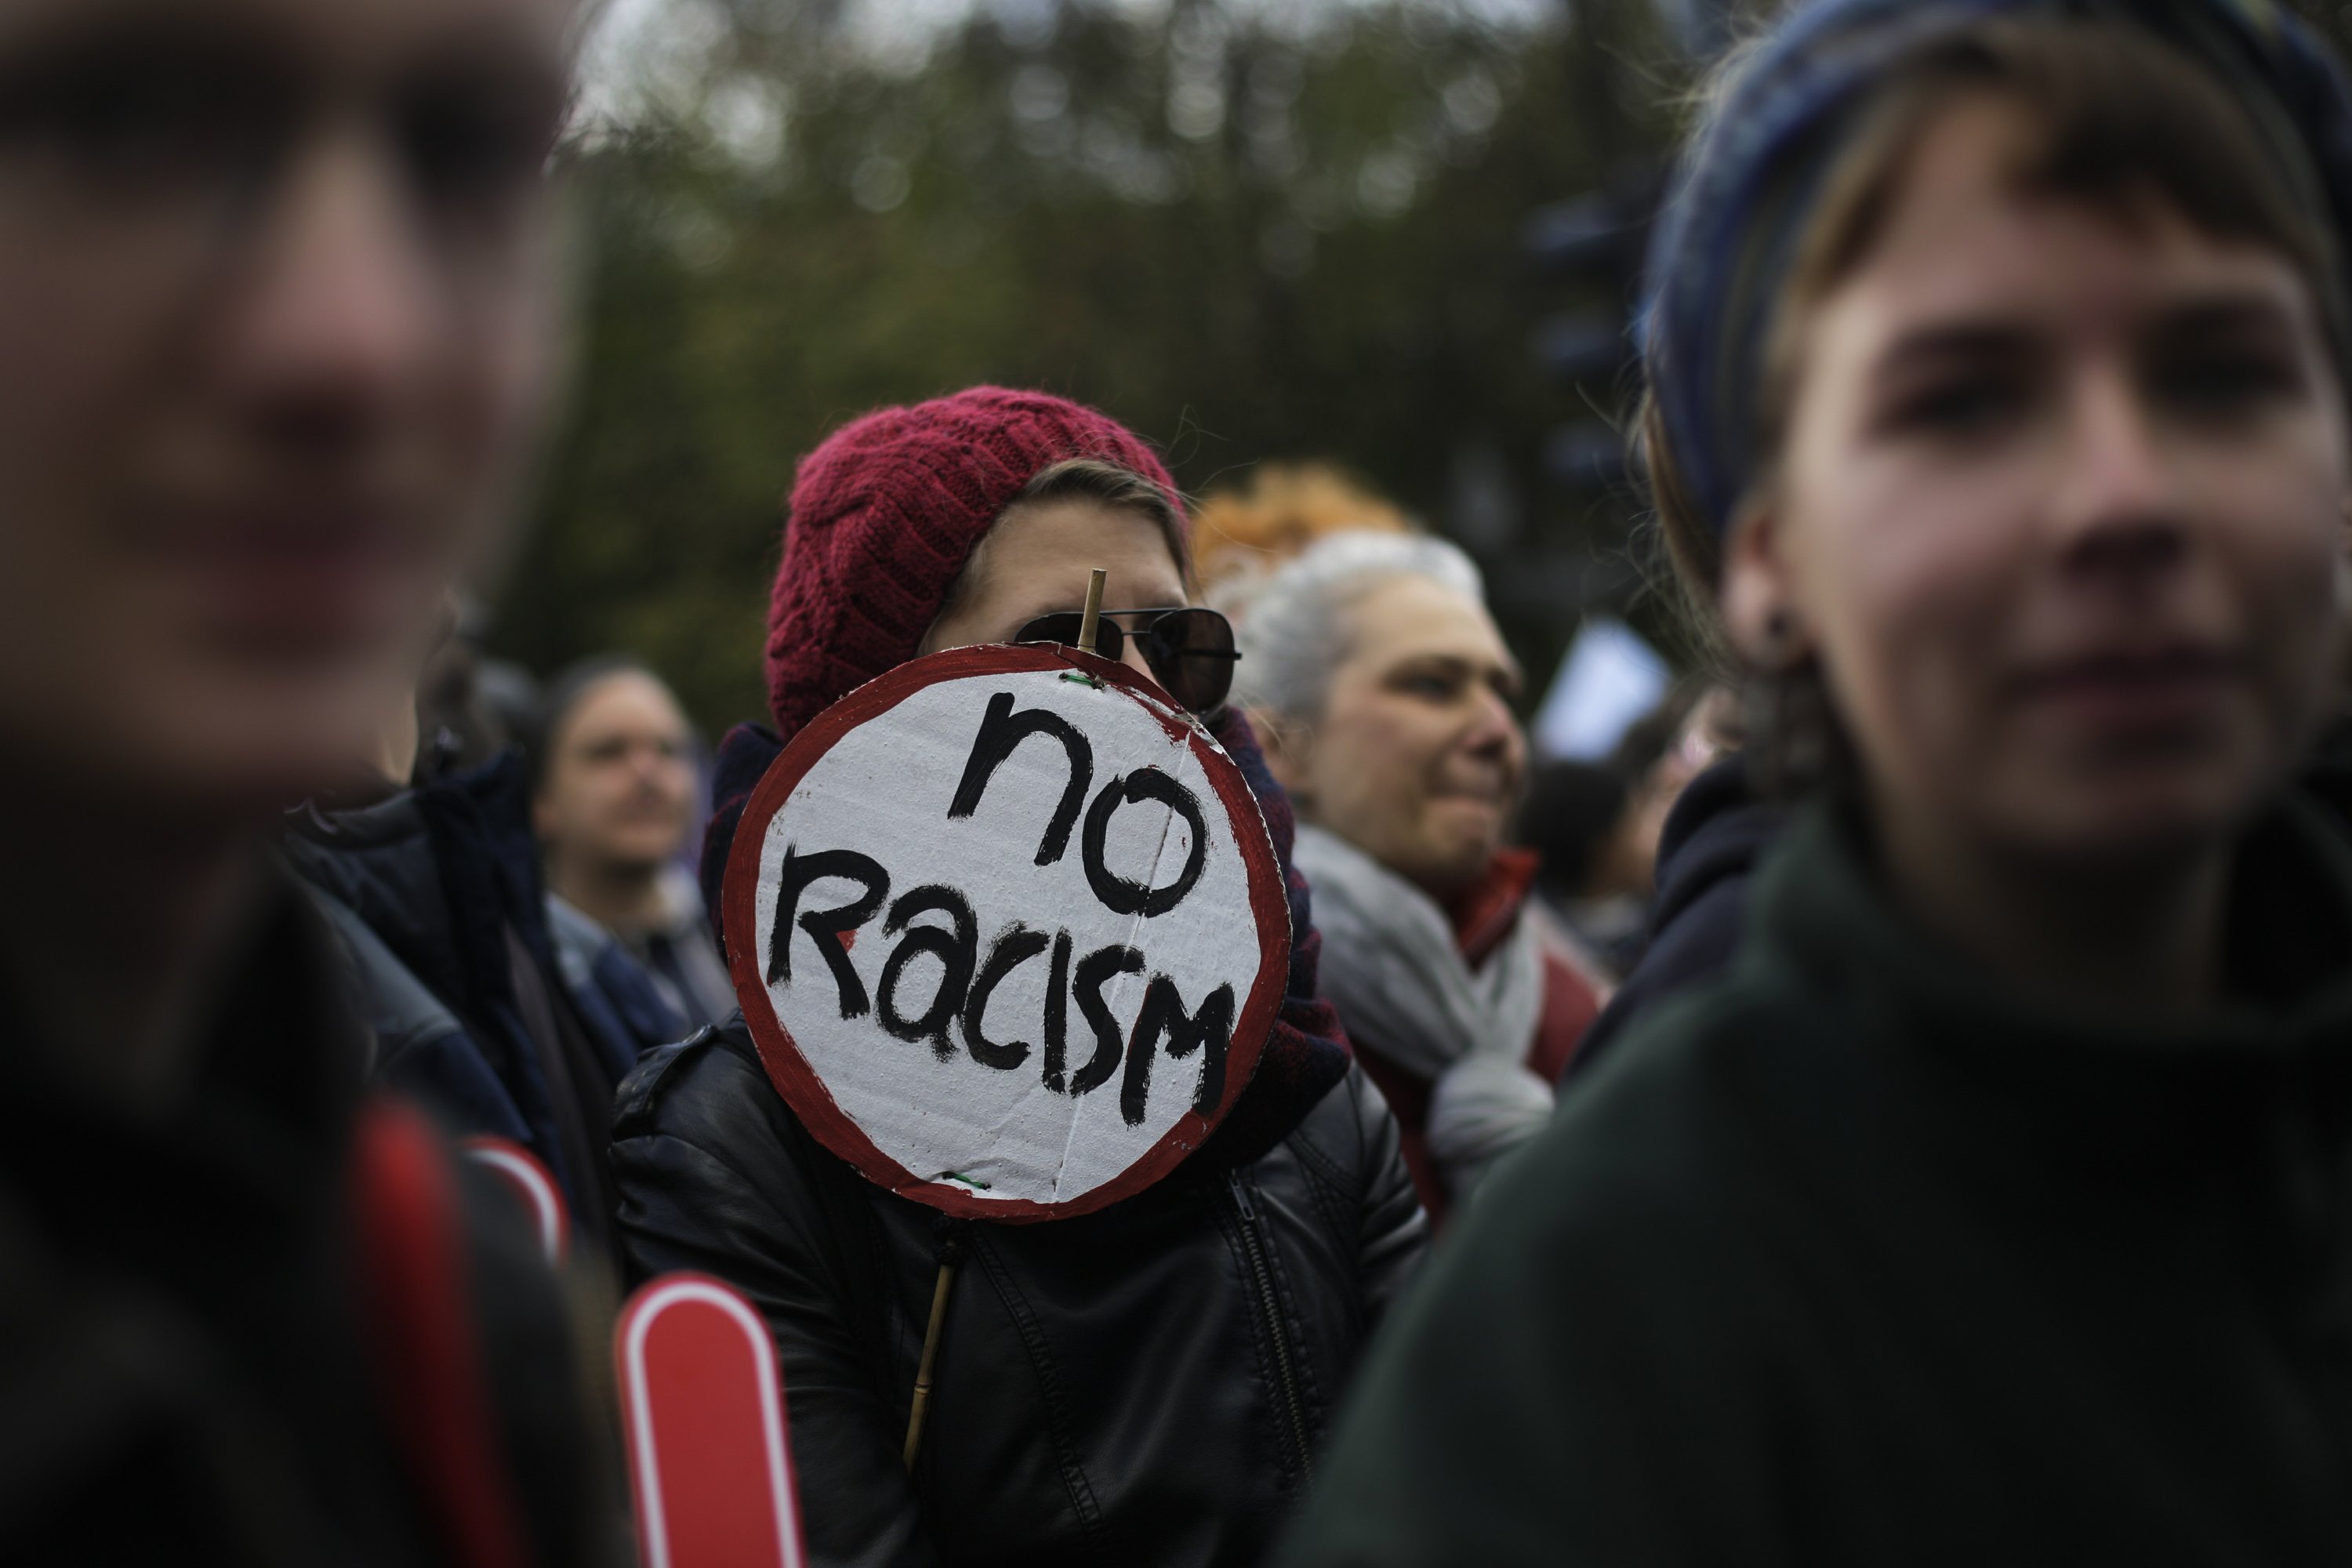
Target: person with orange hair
1243, 531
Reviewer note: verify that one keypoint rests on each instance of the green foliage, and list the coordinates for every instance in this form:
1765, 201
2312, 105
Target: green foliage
1249, 234
1250, 231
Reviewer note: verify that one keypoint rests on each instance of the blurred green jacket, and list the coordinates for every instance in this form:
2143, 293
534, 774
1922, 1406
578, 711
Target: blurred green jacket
1859, 1256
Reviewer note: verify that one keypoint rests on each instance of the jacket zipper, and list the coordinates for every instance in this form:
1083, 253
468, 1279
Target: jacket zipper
1270, 1311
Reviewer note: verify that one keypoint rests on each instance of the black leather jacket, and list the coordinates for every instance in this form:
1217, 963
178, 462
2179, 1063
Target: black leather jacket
1146, 1385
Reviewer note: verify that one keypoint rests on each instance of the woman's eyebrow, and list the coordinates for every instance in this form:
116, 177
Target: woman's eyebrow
494, 62
1077, 603
2239, 313
53, 53
1955, 345
1452, 666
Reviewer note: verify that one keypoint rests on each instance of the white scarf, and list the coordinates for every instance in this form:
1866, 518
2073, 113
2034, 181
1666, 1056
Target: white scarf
1392, 967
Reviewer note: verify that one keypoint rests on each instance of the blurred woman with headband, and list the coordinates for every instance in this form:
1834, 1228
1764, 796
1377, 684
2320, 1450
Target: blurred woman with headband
1992, 1207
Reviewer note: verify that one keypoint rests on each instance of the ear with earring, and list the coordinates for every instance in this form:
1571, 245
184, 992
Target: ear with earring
2343, 563
2344, 618
1791, 731
1782, 646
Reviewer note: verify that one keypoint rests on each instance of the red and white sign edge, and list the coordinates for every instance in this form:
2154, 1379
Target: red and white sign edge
789, 1069
534, 1184
777, 1513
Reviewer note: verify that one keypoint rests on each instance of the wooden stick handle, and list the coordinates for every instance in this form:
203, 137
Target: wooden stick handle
1090, 622
932, 1344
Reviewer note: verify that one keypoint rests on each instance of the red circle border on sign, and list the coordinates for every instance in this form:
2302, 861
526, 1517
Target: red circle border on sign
798, 1082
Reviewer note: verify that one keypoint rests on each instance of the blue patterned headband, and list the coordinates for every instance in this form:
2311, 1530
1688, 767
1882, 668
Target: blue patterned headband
1729, 232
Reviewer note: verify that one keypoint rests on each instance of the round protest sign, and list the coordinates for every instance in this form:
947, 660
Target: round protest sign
1008, 932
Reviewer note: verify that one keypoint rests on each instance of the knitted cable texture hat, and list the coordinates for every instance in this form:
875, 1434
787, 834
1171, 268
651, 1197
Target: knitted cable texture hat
884, 514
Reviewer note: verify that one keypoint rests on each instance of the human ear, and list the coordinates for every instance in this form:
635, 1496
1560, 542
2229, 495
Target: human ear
2344, 604
2344, 558
1758, 596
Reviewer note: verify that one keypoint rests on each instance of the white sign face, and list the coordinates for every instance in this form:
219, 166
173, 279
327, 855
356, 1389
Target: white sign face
1010, 932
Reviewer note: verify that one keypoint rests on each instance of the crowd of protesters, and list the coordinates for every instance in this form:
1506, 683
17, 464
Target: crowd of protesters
1899, 1108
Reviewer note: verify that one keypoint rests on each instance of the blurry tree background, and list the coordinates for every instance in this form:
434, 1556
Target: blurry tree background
1251, 229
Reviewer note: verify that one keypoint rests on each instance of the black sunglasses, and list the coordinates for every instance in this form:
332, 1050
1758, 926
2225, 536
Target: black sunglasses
1190, 651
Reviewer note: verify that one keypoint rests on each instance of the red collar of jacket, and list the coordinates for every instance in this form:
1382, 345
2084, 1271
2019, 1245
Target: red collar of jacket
1484, 913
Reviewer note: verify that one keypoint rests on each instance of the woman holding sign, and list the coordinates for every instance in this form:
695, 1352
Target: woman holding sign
1992, 1208
1146, 1380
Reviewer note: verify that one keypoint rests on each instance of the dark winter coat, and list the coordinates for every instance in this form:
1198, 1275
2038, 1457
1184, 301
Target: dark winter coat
203, 1356
1712, 840
436, 895
1860, 1257
1148, 1383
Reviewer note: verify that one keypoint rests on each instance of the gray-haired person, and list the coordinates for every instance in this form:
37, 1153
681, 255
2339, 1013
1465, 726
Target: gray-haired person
1384, 694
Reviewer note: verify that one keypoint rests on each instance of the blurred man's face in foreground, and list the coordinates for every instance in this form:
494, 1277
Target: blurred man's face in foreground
276, 311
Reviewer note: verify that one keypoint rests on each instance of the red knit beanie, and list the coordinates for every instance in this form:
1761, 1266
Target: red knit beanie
884, 514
